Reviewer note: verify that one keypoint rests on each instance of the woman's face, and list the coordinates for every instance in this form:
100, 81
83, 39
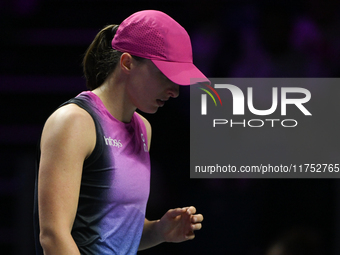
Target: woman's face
148, 88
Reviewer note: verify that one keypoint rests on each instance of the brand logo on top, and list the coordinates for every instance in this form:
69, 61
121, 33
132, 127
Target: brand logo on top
144, 143
239, 105
113, 142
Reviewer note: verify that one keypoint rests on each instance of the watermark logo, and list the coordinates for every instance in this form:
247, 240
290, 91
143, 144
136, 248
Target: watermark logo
204, 98
240, 102
264, 128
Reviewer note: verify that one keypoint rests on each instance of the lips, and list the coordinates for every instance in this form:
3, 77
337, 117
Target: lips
161, 102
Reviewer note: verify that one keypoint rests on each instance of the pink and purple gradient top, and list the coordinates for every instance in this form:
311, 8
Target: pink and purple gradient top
115, 183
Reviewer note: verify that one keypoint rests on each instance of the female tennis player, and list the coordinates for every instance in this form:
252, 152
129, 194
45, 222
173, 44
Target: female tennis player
94, 169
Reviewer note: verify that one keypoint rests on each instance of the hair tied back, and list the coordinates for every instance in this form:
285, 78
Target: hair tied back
114, 30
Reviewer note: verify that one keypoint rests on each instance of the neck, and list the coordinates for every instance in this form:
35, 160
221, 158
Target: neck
112, 94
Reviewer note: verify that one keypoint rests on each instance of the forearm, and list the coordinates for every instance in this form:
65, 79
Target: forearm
151, 235
54, 244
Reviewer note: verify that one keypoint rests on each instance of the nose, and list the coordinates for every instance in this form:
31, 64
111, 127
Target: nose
173, 90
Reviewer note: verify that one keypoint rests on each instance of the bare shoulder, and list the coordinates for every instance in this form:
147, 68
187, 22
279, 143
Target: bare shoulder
146, 122
68, 124
69, 112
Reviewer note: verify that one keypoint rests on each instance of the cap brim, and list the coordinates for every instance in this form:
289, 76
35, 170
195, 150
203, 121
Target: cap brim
181, 73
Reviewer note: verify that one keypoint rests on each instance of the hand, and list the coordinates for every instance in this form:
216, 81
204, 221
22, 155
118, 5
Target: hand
178, 225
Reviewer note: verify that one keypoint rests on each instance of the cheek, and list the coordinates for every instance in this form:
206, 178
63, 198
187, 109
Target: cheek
142, 97
145, 88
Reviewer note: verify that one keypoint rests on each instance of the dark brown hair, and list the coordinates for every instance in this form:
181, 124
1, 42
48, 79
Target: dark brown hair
100, 59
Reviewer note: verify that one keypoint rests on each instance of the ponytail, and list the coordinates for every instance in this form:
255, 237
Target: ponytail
100, 59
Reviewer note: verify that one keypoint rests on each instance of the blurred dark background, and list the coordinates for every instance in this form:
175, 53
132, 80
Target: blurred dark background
42, 44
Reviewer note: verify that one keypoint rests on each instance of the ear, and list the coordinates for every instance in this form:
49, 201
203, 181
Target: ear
125, 62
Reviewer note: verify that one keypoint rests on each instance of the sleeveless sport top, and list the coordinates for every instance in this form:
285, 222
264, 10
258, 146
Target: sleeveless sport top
115, 183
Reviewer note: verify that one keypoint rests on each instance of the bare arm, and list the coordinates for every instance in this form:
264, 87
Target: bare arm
68, 138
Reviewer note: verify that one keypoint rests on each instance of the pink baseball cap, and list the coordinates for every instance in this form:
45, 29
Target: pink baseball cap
156, 36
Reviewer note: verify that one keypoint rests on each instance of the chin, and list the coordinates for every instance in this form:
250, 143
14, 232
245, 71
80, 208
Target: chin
149, 111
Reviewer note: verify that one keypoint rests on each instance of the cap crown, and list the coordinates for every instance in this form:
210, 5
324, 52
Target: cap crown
153, 35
